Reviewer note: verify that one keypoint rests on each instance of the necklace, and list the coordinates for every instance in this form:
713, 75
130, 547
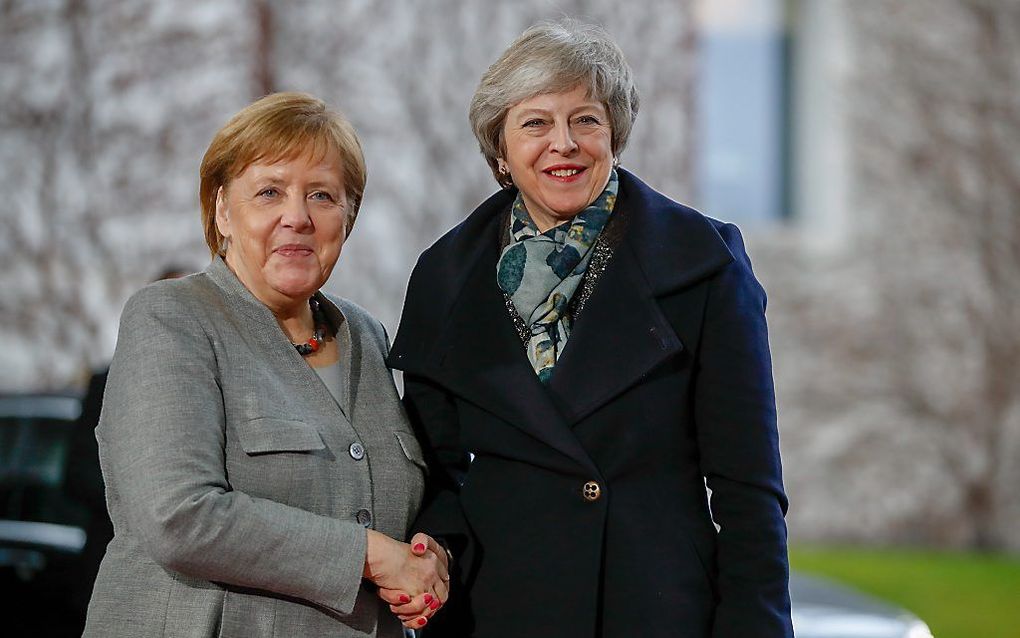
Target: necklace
319, 336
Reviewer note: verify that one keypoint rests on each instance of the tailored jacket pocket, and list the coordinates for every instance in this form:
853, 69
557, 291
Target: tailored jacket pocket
265, 435
411, 449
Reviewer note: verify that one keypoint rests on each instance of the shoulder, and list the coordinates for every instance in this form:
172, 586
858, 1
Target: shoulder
731, 235
664, 219
462, 243
736, 278
442, 268
676, 245
170, 300
162, 325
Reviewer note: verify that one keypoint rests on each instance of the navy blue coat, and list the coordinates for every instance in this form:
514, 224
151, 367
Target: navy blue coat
664, 384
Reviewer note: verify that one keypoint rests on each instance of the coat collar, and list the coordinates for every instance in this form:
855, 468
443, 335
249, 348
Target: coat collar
623, 333
475, 352
674, 245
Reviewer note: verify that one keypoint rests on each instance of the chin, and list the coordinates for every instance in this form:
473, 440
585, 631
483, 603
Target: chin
297, 285
568, 211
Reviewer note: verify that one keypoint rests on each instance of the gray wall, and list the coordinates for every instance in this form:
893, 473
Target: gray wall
894, 288
108, 106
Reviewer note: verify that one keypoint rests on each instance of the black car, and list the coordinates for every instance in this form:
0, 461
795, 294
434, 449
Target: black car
42, 525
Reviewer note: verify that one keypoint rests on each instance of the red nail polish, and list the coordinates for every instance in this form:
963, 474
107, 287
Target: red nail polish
422, 621
419, 547
404, 598
435, 605
428, 599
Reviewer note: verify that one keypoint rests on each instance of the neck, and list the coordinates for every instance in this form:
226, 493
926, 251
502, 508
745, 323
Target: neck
296, 320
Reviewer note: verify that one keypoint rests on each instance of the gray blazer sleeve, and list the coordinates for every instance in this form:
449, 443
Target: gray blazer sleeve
162, 440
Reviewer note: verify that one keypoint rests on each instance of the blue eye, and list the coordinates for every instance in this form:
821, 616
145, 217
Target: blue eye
322, 196
533, 122
268, 192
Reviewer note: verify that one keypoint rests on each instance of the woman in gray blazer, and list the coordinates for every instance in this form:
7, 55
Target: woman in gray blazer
260, 471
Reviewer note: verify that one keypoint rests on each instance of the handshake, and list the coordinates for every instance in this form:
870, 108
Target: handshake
414, 578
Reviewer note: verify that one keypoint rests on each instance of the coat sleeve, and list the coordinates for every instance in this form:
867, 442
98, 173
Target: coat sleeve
735, 416
162, 441
432, 411
433, 415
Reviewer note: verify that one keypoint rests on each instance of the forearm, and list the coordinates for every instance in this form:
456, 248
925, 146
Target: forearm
236, 539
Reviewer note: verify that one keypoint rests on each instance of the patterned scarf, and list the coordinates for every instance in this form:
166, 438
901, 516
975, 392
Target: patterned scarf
539, 272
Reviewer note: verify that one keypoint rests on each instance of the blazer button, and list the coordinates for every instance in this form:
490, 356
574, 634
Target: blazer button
364, 518
357, 451
591, 491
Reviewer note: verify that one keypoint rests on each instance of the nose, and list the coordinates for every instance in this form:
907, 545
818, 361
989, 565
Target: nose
562, 140
296, 214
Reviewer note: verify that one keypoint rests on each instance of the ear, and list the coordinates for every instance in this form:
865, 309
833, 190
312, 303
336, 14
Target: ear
222, 213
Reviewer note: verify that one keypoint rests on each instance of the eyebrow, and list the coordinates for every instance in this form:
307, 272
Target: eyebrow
539, 111
317, 183
325, 184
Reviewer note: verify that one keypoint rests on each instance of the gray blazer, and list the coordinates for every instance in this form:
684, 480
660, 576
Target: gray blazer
238, 496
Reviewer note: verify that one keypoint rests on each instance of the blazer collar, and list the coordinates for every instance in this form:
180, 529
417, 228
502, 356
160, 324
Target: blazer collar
265, 330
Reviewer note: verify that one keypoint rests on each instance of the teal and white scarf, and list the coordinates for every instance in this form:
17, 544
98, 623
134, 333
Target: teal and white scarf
540, 272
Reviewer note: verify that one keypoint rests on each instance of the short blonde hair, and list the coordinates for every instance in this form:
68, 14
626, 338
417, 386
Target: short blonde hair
277, 127
548, 58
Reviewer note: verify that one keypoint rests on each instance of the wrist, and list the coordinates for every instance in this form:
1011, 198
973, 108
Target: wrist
375, 554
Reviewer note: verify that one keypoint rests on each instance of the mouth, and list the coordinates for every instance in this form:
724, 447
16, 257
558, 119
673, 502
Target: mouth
293, 250
565, 172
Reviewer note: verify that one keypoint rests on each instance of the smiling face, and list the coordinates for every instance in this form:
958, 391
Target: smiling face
559, 149
285, 223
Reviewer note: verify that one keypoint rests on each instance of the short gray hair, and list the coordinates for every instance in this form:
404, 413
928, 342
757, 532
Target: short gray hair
548, 58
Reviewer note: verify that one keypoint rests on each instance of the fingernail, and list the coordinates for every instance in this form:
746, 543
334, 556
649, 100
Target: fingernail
435, 605
428, 599
422, 621
419, 547
404, 598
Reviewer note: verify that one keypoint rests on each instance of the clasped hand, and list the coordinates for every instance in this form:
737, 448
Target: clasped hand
412, 577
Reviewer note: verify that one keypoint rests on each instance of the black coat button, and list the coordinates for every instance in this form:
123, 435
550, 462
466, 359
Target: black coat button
364, 518
357, 451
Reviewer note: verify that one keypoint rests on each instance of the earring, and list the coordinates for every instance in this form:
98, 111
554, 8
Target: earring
616, 161
501, 167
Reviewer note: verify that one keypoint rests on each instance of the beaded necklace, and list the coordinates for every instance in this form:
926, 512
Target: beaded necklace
319, 336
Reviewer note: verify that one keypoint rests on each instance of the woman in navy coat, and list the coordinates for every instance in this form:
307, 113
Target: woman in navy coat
581, 356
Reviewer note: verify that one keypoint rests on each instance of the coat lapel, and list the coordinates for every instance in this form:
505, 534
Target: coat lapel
623, 333
483, 360
466, 341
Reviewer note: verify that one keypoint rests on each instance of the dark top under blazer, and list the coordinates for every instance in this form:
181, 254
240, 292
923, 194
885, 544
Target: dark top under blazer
665, 382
